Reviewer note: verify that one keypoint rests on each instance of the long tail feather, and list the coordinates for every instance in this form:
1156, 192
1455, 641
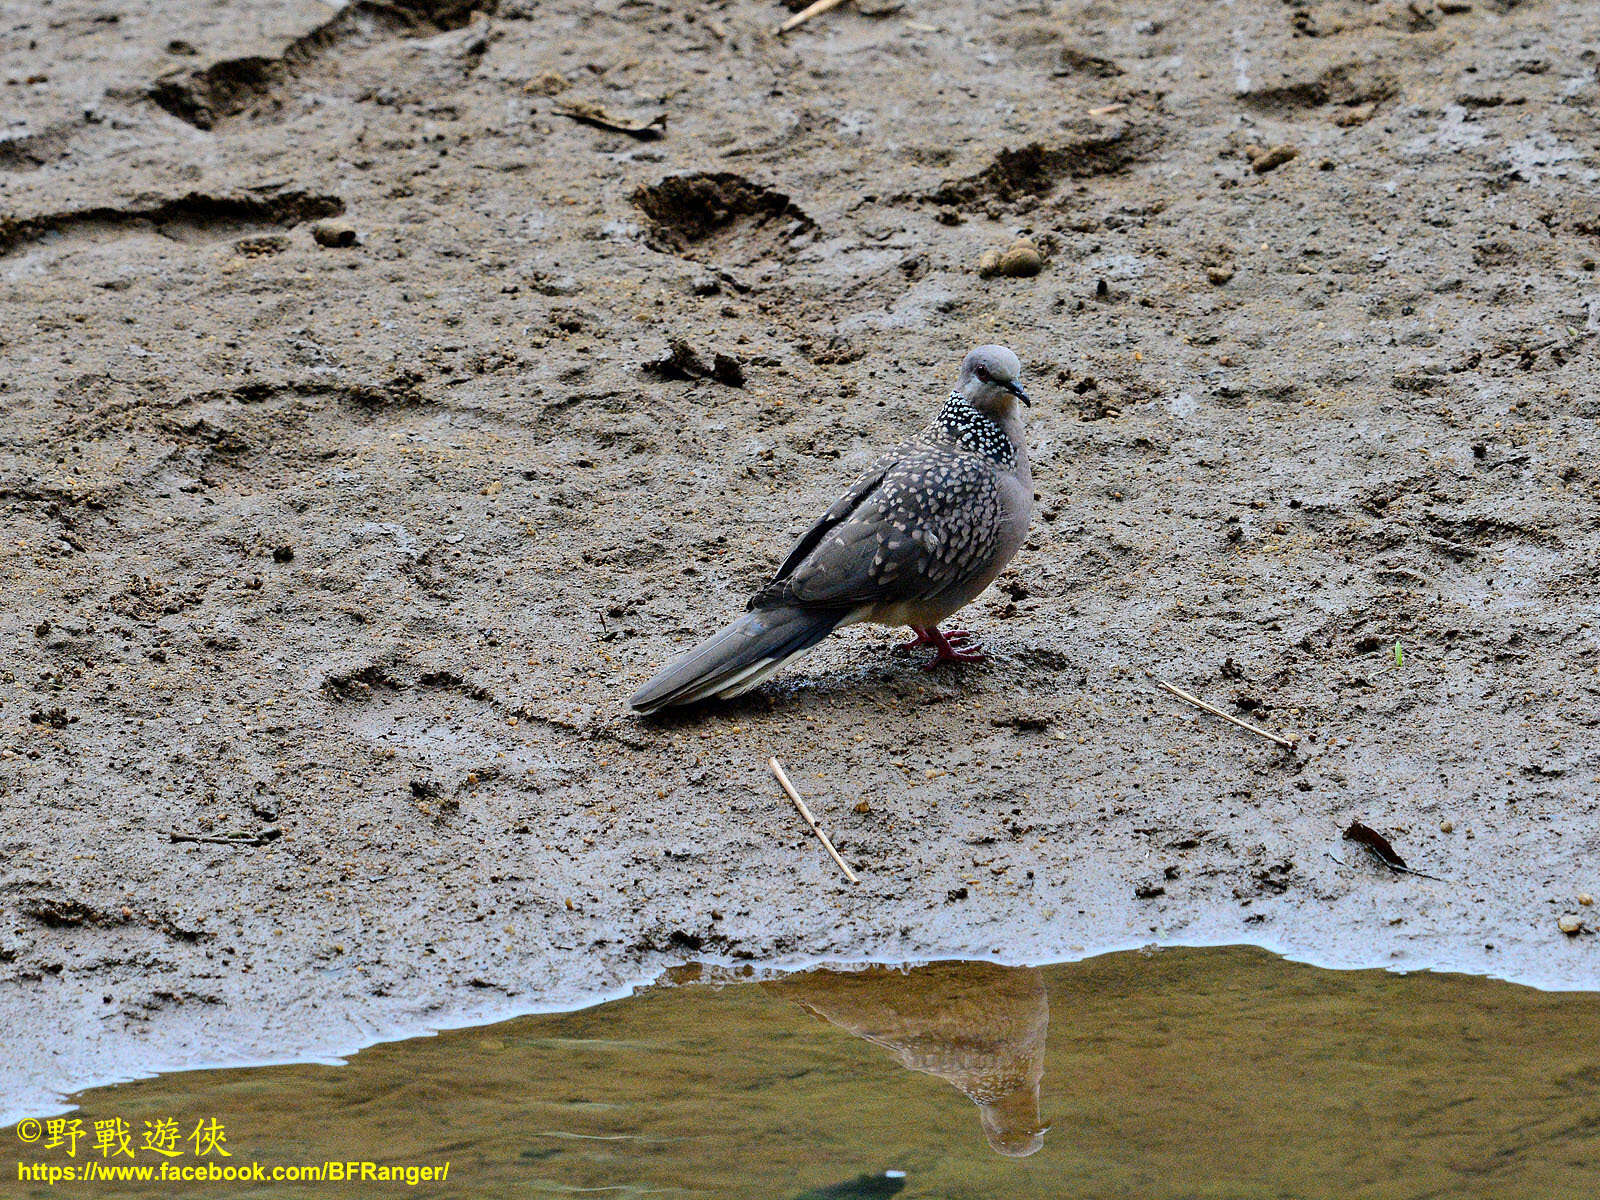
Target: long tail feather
737, 658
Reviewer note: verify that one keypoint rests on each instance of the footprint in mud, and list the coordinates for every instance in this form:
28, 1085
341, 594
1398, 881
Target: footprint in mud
722, 217
30, 152
192, 217
1036, 169
210, 96
1355, 86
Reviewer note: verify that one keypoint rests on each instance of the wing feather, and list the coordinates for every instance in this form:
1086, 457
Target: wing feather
841, 510
922, 525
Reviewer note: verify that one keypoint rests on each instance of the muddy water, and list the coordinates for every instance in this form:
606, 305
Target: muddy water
1180, 1073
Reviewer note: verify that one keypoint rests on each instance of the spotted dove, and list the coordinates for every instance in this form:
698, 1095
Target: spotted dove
920, 535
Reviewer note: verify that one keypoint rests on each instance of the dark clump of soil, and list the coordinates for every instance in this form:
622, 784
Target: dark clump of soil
60, 913
681, 362
1072, 61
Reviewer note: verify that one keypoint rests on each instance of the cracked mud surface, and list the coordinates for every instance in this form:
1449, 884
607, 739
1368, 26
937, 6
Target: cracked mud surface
356, 552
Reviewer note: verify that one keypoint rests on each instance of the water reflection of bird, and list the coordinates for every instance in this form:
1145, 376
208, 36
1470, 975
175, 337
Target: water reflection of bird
978, 1026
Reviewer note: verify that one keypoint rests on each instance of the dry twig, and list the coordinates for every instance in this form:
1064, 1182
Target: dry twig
591, 114
783, 780
1286, 743
805, 14
226, 839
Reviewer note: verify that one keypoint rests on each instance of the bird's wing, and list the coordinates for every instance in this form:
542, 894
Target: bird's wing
841, 510
928, 522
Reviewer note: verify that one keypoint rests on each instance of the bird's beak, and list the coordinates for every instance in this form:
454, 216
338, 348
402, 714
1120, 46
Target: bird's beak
1015, 389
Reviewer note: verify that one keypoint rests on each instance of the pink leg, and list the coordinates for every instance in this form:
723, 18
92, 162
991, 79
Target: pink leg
954, 636
948, 652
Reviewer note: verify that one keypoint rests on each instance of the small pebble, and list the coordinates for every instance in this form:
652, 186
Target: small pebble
1570, 925
1585, 899
1219, 275
1019, 260
1447, 826
333, 233
1022, 260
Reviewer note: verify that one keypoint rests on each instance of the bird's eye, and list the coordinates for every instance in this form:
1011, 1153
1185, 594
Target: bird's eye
982, 373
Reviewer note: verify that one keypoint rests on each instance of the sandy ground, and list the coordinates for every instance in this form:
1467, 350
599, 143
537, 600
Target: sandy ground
357, 550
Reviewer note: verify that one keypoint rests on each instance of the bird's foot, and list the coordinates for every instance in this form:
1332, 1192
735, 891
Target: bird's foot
949, 650
954, 636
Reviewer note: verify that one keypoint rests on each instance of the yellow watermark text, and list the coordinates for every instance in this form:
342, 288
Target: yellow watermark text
114, 1137
94, 1170
167, 1150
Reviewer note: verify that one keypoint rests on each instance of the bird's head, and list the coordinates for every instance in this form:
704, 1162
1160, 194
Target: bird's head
1011, 1123
988, 381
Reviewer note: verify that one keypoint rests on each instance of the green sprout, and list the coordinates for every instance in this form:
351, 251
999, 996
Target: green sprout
1399, 656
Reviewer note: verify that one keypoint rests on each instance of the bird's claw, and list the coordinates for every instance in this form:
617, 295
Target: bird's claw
956, 646
925, 637
975, 654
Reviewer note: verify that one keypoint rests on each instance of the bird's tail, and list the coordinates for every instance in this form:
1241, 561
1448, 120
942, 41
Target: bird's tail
738, 658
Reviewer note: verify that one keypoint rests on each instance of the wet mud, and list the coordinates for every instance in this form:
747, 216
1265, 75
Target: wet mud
345, 497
